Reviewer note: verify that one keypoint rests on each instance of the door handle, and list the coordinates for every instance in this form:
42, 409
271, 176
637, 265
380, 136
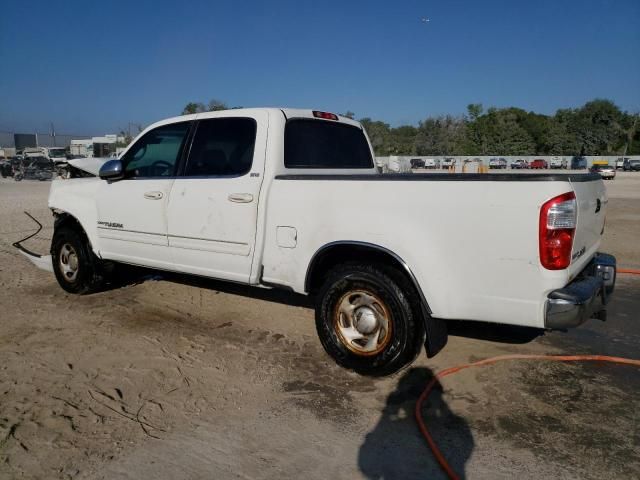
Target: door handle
240, 197
153, 195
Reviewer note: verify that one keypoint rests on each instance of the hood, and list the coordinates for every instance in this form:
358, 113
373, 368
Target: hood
90, 165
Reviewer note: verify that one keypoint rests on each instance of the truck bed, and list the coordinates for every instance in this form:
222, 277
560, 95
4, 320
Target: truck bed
471, 239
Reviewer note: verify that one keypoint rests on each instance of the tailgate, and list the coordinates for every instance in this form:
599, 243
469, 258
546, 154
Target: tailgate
591, 197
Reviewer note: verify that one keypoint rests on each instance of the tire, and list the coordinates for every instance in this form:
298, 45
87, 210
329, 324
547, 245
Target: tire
380, 300
76, 267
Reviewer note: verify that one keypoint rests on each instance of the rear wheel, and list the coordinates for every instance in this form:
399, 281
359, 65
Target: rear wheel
76, 267
367, 319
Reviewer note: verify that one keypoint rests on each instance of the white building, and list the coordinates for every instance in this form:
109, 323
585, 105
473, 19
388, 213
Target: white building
103, 146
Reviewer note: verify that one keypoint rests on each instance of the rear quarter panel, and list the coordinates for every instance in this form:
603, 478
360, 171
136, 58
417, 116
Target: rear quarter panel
472, 245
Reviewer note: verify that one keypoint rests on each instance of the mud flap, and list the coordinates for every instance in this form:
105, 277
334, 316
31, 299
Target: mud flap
43, 262
436, 333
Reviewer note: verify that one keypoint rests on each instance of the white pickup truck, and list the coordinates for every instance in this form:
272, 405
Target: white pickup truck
291, 199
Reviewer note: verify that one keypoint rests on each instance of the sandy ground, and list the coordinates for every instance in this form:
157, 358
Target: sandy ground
168, 378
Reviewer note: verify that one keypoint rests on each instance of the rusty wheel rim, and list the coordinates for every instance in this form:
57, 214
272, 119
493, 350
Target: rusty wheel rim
362, 322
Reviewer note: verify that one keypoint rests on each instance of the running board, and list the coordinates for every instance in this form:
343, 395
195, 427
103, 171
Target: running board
43, 262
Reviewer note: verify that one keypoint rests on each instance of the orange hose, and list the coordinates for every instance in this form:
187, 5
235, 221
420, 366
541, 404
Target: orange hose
488, 361
628, 270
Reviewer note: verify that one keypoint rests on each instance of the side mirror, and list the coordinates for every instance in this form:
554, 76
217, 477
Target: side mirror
111, 170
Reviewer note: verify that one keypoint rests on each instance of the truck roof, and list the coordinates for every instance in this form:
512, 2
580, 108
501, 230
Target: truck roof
238, 112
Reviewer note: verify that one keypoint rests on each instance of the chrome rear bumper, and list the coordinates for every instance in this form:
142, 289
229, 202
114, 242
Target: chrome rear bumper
585, 297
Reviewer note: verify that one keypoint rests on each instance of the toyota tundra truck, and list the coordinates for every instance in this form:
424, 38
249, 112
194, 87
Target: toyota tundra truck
291, 199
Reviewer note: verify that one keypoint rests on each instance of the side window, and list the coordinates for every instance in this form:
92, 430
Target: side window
222, 147
157, 153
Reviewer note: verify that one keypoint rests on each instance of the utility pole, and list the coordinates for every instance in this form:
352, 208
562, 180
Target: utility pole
53, 134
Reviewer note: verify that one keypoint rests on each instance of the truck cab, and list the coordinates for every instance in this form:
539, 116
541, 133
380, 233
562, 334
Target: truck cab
57, 154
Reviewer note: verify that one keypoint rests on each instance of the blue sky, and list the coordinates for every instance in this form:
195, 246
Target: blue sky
92, 67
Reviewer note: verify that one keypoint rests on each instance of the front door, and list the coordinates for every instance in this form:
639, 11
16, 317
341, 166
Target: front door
213, 207
132, 212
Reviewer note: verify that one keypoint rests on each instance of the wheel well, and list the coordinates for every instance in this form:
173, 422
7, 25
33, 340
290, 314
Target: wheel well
64, 219
328, 257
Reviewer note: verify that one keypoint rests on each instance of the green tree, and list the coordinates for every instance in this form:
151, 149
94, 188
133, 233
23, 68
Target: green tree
475, 137
446, 135
402, 140
379, 135
474, 110
598, 126
216, 105
193, 107
632, 140
501, 134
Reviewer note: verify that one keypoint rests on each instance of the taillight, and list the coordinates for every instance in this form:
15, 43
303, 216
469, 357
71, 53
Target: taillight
325, 115
557, 229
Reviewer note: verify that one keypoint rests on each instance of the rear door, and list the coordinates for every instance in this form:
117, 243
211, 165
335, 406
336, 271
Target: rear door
591, 198
213, 209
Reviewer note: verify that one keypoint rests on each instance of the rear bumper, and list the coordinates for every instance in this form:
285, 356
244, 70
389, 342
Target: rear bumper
583, 298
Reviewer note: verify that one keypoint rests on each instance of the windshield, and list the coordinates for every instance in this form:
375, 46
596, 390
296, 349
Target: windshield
634, 162
601, 166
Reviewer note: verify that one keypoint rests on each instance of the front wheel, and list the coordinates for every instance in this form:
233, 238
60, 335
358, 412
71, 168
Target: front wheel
76, 267
368, 319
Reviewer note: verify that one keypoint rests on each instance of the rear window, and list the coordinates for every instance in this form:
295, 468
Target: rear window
322, 144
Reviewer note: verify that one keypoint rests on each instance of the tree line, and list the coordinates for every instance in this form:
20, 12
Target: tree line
599, 127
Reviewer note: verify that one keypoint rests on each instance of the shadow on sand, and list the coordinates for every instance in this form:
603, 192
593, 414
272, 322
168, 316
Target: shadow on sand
127, 275
395, 449
493, 332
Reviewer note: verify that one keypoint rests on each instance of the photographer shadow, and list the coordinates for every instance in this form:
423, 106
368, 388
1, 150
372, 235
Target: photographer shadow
395, 449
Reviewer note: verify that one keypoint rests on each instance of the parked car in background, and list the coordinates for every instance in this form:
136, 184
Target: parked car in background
631, 165
620, 163
417, 163
558, 162
35, 152
519, 164
578, 162
499, 163
606, 171
57, 154
16, 164
5, 168
539, 163
38, 168
448, 162
431, 163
